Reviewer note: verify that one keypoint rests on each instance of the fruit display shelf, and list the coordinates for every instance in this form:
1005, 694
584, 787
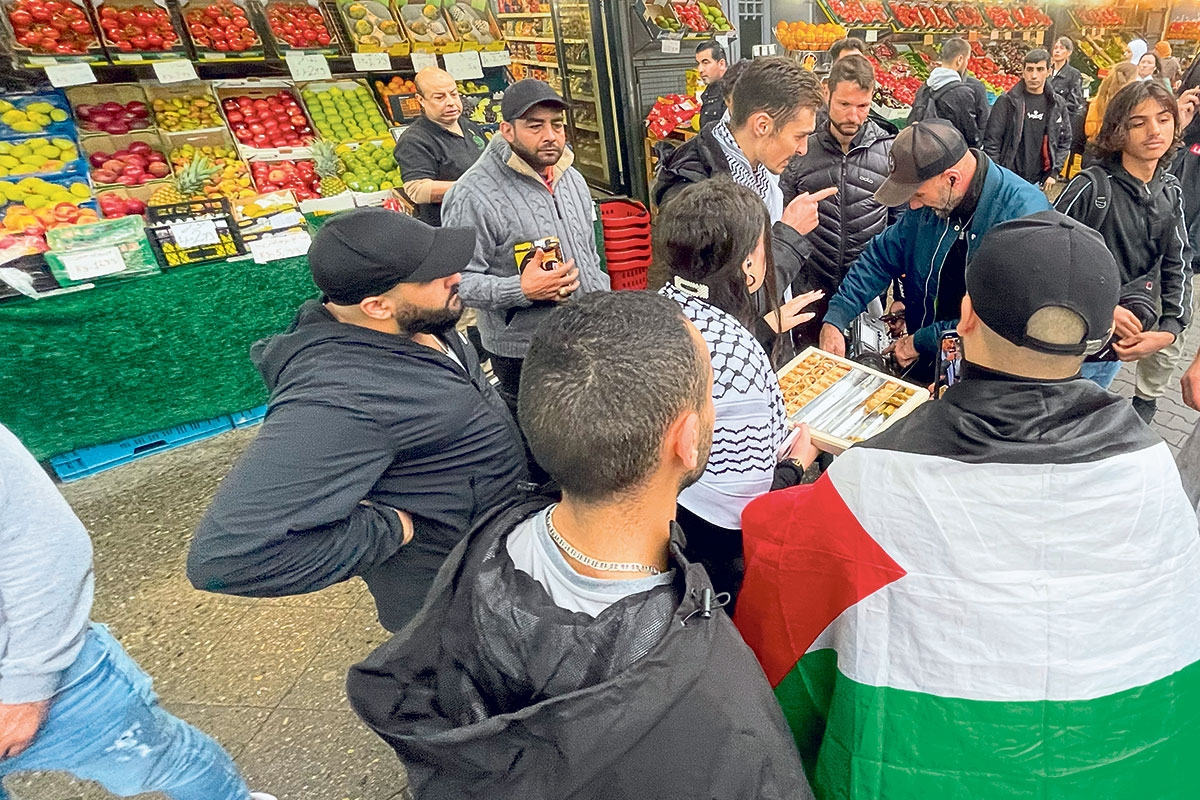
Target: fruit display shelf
187, 107
221, 30
921, 17
372, 27
232, 176
299, 26
397, 95
41, 157
298, 176
857, 14
807, 37
43, 32
138, 31
369, 166
1184, 27
1088, 17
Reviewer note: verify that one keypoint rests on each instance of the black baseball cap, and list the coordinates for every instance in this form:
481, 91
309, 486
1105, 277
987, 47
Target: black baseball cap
1046, 259
367, 251
524, 95
921, 151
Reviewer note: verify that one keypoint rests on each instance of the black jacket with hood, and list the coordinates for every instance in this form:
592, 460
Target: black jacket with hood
360, 422
701, 158
849, 219
1002, 141
1146, 231
957, 103
493, 691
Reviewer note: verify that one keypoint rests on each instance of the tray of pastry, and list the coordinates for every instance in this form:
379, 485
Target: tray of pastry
841, 401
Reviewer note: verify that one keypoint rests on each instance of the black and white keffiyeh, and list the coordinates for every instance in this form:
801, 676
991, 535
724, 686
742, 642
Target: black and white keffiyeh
757, 179
751, 421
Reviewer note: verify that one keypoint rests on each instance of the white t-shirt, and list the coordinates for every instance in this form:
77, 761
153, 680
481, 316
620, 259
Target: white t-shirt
535, 553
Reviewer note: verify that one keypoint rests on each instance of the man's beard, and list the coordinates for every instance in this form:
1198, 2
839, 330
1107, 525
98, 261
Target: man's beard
433, 322
537, 158
842, 129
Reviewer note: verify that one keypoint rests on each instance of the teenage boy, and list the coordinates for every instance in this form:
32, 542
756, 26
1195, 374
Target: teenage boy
1067, 83
1029, 131
1137, 205
711, 63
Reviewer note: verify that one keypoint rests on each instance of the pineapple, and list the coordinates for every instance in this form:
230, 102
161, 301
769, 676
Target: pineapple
328, 167
187, 184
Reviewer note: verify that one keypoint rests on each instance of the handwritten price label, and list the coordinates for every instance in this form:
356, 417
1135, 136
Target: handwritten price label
495, 58
308, 68
200, 233
372, 62
285, 245
62, 75
175, 71
87, 264
464, 66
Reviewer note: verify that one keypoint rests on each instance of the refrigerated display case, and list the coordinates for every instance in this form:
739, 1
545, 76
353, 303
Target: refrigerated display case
564, 43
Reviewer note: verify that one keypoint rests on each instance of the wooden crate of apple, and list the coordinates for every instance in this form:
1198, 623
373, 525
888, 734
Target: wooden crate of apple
344, 111
119, 203
133, 163
34, 205
220, 27
37, 155
232, 177
138, 27
298, 25
263, 118
370, 167
299, 177
52, 28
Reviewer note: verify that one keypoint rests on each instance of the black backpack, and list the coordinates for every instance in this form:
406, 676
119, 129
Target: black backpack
1101, 196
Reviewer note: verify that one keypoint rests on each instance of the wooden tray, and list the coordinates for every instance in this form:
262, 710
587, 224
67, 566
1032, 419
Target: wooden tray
859, 406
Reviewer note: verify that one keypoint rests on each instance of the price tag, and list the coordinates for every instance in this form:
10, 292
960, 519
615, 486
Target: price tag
422, 60
1026, 35
130, 58
1041, 37
285, 219
372, 62
197, 233
995, 36
175, 71
284, 245
464, 66
61, 75
87, 264
670, 46
1008, 35
495, 58
872, 35
929, 38
308, 68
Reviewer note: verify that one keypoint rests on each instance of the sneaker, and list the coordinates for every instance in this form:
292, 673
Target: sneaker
1145, 408
262, 796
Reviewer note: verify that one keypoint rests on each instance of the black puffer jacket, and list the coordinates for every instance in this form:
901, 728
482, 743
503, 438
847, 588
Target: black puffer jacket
850, 218
494, 691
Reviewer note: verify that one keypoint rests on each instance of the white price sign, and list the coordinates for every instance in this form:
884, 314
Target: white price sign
285, 245
464, 66
285, 219
495, 58
175, 71
670, 46
308, 67
198, 233
62, 75
87, 264
372, 62
422, 60
872, 35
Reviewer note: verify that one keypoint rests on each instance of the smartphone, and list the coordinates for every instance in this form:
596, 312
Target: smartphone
551, 252
949, 365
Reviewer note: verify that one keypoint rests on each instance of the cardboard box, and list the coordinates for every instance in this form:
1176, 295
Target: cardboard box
386, 34
125, 52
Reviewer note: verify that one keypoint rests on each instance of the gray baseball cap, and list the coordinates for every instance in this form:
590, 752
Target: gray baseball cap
922, 151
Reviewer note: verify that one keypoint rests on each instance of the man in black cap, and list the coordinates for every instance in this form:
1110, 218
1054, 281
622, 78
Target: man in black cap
977, 549
955, 195
521, 191
383, 441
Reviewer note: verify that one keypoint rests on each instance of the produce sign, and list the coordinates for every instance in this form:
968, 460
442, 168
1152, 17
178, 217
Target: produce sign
857, 13
841, 401
806, 36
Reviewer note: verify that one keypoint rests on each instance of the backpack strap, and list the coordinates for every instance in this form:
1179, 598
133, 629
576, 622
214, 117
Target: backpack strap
1101, 196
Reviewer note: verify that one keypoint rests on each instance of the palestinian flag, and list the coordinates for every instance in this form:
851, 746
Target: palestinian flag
998, 598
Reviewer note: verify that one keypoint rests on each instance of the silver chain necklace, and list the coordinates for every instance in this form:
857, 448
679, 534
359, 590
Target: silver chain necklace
603, 566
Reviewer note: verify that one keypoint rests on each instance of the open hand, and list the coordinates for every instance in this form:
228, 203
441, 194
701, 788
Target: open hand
792, 312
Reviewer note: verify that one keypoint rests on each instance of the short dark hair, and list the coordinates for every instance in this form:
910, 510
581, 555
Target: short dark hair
605, 376
714, 47
954, 47
853, 69
1066, 42
849, 43
1114, 130
776, 85
730, 79
704, 236
1037, 55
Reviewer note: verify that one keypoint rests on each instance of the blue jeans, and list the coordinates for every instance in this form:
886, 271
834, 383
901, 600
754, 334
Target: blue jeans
1102, 372
105, 725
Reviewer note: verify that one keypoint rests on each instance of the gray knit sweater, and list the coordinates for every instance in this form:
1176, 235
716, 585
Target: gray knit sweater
501, 198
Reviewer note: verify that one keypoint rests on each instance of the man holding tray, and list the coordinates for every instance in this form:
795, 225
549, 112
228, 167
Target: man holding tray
955, 195
995, 597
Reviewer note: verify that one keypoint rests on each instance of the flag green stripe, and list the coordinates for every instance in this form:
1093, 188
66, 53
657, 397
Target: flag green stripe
861, 742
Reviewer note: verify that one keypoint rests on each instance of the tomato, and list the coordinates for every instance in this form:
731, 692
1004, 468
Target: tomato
20, 19
81, 26
61, 25
40, 14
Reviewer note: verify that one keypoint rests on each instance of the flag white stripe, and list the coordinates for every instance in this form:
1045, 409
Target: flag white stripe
1024, 582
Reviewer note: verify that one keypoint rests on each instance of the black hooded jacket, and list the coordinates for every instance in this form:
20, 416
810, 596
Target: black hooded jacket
958, 104
850, 218
1002, 141
701, 158
360, 423
493, 691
